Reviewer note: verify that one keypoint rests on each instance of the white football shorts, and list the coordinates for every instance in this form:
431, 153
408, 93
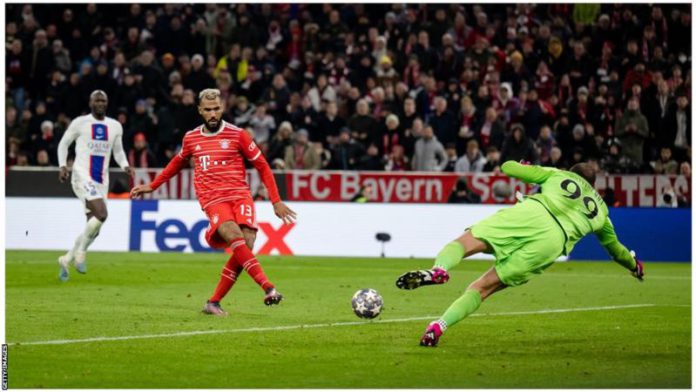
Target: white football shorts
89, 190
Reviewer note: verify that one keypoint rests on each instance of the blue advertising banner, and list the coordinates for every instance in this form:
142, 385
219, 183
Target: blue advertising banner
655, 234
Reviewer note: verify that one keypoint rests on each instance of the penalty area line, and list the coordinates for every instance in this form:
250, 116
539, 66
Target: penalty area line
319, 325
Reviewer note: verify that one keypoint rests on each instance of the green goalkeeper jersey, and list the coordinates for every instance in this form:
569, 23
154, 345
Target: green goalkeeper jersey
575, 205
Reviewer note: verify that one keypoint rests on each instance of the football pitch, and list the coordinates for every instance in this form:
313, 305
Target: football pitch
134, 321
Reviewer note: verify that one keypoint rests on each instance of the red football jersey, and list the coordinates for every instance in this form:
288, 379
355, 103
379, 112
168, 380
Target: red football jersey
218, 164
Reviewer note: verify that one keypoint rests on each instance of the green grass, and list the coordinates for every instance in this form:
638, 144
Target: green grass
128, 294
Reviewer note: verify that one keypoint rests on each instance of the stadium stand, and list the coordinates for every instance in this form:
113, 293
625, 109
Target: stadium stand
360, 85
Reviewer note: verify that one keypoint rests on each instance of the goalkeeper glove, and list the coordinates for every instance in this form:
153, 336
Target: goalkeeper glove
638, 272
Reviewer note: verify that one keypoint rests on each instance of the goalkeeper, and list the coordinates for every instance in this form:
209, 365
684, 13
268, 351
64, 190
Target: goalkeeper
525, 239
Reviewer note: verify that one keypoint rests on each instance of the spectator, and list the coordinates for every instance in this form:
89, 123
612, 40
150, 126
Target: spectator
660, 114
516, 72
444, 123
583, 141
22, 159
102, 80
277, 95
126, 96
379, 106
579, 66
579, 107
544, 144
398, 160
451, 151
141, 155
141, 121
471, 162
153, 80
506, 103
245, 32
280, 142
186, 114
61, 57
13, 149
42, 62
372, 160
632, 130
665, 165
390, 134
517, 147
541, 66
462, 194
556, 159
321, 91
666, 198
261, 124
544, 81
637, 76
492, 160
324, 155
42, 159
17, 65
56, 92
616, 162
48, 142
243, 112
328, 125
14, 129
492, 131
679, 136
429, 153
685, 170
305, 116
133, 46
468, 117
35, 122
346, 153
363, 126
386, 73
406, 121
198, 79
301, 155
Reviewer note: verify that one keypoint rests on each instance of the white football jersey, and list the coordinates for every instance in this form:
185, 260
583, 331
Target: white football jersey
94, 139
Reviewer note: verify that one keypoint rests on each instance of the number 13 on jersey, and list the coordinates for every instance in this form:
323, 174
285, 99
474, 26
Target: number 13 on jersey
245, 209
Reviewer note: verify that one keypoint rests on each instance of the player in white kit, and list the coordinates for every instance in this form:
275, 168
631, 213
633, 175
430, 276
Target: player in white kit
95, 135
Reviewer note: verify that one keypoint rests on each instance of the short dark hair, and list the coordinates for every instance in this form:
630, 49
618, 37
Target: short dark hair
586, 171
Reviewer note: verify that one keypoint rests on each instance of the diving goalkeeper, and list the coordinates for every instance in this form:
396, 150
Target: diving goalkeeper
525, 239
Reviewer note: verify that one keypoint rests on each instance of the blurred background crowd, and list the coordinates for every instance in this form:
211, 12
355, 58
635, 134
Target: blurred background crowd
437, 87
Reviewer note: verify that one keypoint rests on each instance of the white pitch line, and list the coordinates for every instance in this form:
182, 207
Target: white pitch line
322, 325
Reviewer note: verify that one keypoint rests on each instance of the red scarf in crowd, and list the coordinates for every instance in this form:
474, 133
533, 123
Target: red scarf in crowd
389, 140
142, 158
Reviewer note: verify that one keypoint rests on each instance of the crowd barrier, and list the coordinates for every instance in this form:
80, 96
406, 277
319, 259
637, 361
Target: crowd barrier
323, 229
337, 186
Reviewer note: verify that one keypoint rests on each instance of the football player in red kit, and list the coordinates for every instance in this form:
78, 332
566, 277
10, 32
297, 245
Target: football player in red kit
218, 150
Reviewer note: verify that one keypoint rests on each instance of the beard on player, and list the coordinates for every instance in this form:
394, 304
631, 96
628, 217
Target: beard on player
212, 124
99, 107
100, 111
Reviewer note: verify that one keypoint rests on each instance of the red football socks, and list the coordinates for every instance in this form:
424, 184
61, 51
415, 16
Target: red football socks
243, 256
230, 272
242, 259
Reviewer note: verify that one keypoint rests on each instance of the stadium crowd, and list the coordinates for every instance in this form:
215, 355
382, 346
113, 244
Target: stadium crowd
394, 87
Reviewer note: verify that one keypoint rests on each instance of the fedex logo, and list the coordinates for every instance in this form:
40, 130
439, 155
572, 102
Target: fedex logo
173, 235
